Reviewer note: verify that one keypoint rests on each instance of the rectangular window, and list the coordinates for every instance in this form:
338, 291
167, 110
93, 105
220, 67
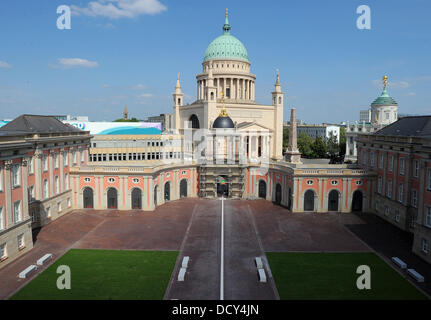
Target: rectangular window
381, 161
390, 163
59, 207
56, 160
428, 217
3, 253
1, 219
82, 156
66, 158
45, 189
31, 193
17, 211
402, 166
16, 175
415, 168
30, 166
414, 198
389, 191
372, 159
45, 163
379, 184
1, 179
57, 185
400, 192
21, 241
425, 245
397, 216
386, 211
74, 156
429, 180
66, 181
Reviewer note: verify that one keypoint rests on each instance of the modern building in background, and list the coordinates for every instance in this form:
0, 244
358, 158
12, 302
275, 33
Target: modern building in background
72, 118
400, 153
384, 111
324, 131
165, 119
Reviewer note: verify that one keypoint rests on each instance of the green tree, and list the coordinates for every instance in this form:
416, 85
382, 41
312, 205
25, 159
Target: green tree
342, 141
319, 148
285, 137
332, 145
127, 120
304, 144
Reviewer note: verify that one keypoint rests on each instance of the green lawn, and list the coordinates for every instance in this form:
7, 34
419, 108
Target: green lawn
329, 276
106, 274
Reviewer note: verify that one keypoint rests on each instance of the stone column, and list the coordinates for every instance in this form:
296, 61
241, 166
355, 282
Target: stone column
292, 154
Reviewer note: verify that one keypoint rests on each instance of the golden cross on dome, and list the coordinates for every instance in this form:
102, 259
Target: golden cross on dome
226, 13
385, 81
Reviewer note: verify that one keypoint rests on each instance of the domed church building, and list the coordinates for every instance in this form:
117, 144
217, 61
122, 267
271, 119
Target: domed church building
226, 80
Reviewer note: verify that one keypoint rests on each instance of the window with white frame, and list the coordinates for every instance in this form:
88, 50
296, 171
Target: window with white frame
389, 191
56, 160
30, 166
390, 163
414, 198
372, 159
429, 180
334, 182
381, 161
21, 241
1, 219
74, 156
57, 185
1, 179
358, 183
425, 245
111, 180
66, 158
48, 212
400, 192
69, 203
309, 182
45, 189
59, 207
82, 156
402, 166
397, 215
87, 179
45, 163
3, 253
30, 193
66, 181
379, 184
17, 211
415, 168
16, 175
428, 217
386, 211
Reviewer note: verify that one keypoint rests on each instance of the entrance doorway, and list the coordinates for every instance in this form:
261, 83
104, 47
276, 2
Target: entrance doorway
262, 189
309, 200
278, 194
222, 186
183, 188
88, 198
112, 198
333, 200
136, 198
167, 191
357, 201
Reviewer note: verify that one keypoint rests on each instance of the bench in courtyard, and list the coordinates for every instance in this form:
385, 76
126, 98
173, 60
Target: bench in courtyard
400, 263
416, 275
44, 259
27, 271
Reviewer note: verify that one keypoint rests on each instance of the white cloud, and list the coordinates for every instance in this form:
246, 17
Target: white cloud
77, 62
145, 95
138, 87
5, 65
116, 9
411, 93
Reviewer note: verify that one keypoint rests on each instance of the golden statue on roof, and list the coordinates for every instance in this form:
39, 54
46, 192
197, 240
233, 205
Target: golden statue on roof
385, 81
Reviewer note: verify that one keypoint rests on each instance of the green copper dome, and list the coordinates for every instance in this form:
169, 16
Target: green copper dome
226, 46
384, 100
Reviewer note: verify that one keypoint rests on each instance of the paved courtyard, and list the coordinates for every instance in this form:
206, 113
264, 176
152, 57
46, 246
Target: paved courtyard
193, 227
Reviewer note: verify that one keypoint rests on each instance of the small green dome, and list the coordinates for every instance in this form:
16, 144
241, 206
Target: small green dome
226, 46
384, 100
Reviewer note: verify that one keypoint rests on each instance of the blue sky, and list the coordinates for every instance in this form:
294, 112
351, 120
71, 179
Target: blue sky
131, 55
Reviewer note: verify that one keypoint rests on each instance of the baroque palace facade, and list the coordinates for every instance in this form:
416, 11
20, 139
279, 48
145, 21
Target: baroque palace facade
223, 144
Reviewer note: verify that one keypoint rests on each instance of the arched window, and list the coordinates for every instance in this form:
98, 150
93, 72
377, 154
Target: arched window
279, 100
212, 95
195, 121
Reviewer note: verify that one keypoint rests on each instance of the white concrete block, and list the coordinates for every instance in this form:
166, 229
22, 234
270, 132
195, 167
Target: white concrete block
44, 259
400, 263
27, 271
182, 274
185, 262
262, 275
416, 275
259, 263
